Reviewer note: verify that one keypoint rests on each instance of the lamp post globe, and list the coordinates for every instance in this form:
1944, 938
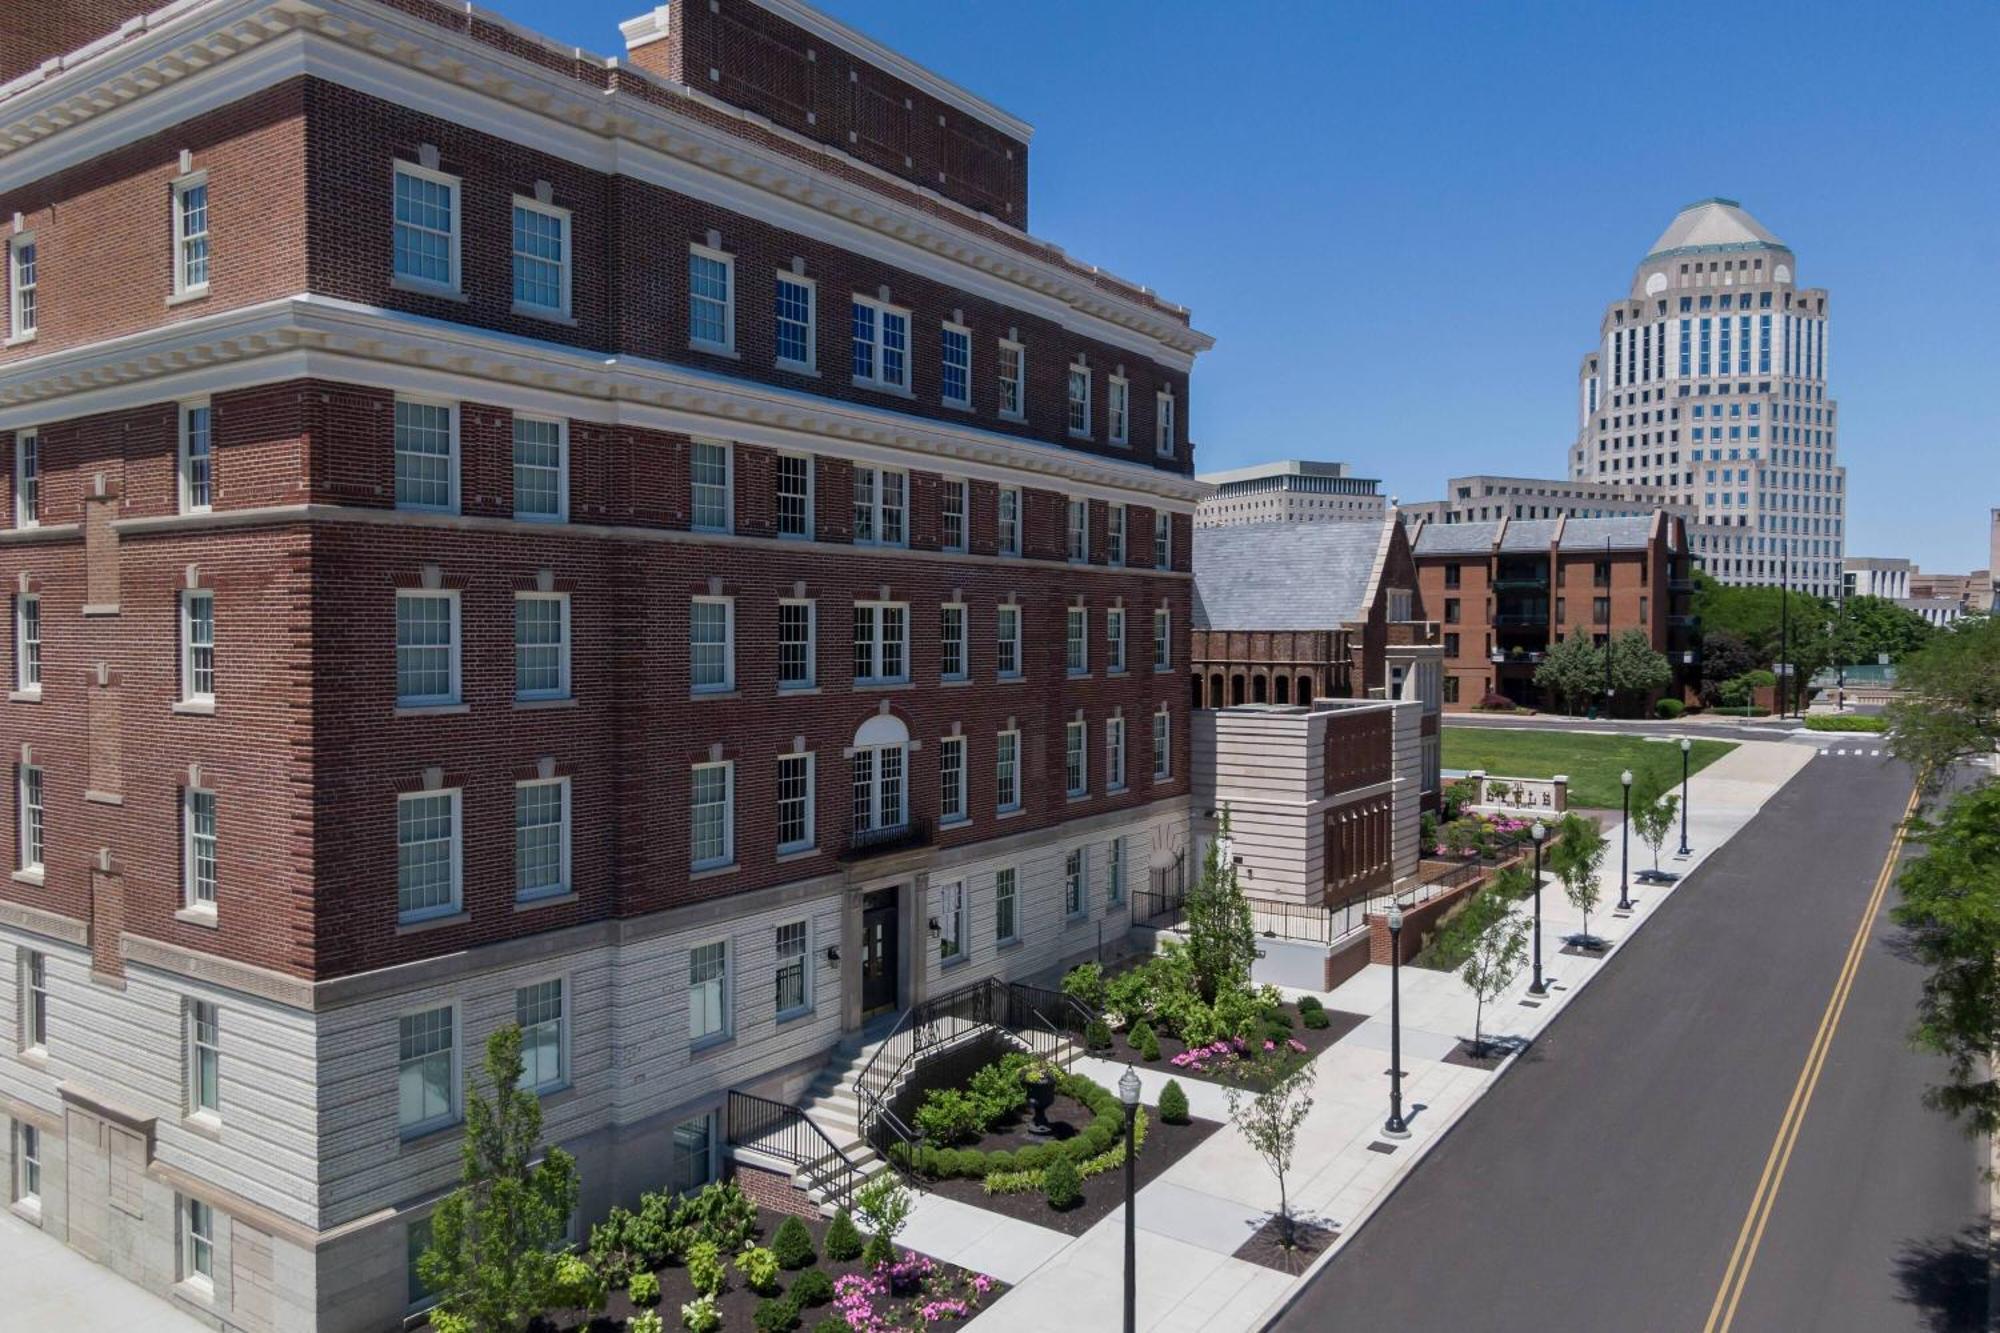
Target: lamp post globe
1686, 747
1128, 1093
1395, 1127
1625, 850
1538, 832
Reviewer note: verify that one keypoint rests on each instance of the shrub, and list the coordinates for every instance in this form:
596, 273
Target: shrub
1085, 982
1173, 1103
1061, 1185
1314, 1017
721, 1214
812, 1287
948, 1116
759, 1268
1310, 1003
578, 1285
625, 1243
879, 1252
997, 1091
644, 1289
1144, 1040
1495, 702
1670, 708
1847, 722
1097, 1035
843, 1240
705, 1270
778, 1315
647, 1321
832, 1324
1130, 994
699, 1316
793, 1244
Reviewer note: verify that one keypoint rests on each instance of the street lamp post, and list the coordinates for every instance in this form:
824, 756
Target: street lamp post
1395, 1128
1785, 635
1128, 1092
1539, 831
1625, 851
1686, 746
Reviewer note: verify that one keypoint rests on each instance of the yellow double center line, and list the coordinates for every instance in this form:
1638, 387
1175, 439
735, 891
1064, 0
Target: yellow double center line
1744, 1255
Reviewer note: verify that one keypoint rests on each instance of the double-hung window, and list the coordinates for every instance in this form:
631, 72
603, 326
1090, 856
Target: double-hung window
32, 825
541, 259
1114, 639
426, 1070
544, 1023
541, 838
951, 779
1163, 744
792, 977
797, 652
1163, 639
879, 788
426, 228
426, 648
1114, 872
712, 644
1007, 772
204, 1058
1013, 364
711, 300
1119, 406
541, 645
199, 645
35, 1015
24, 283
1114, 754
710, 486
197, 460
28, 643
1163, 425
795, 802
794, 319
1076, 758
1007, 642
952, 646
1079, 400
955, 365
426, 456
27, 479
708, 991
541, 469
951, 922
712, 815
197, 1242
1010, 520
881, 643
1076, 641
198, 850
1077, 531
428, 855
28, 1185
951, 513
795, 495
881, 340
881, 507
1006, 905
1114, 535
1163, 540
1076, 888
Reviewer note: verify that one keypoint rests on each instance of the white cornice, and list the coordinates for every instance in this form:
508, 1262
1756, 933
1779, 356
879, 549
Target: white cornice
221, 51
318, 337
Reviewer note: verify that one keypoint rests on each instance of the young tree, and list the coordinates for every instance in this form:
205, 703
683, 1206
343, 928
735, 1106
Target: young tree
1575, 860
1493, 940
1572, 670
1951, 907
496, 1240
1723, 657
1267, 1107
1654, 822
1221, 933
1950, 709
1636, 669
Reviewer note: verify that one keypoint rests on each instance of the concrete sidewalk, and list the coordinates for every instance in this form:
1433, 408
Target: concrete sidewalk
46, 1285
1201, 1209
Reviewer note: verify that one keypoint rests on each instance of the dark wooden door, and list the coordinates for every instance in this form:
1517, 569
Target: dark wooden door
878, 952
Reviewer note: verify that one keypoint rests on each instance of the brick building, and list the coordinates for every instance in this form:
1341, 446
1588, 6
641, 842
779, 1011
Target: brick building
1504, 591
650, 549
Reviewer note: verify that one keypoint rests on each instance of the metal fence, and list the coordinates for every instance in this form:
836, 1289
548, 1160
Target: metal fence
1311, 923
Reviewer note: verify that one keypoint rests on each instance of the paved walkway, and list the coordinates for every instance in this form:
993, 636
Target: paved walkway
1195, 1215
46, 1285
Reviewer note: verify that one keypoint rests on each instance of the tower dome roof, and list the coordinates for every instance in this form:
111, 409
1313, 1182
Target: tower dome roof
1713, 225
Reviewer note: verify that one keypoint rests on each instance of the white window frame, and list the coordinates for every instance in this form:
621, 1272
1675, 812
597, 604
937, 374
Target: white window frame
781, 961
1163, 540
1008, 535
185, 241
876, 509
1007, 641
23, 300
954, 787
28, 645
197, 1243
191, 670
1076, 530
34, 967
456, 650
193, 1053
1076, 884
31, 795
1078, 407
728, 682
878, 644
952, 919
878, 359
184, 456
453, 285
960, 489
562, 1024
727, 855
1114, 873
809, 803
1012, 897
725, 997
455, 903
728, 523
948, 639
561, 690
1076, 640
28, 1166
1007, 771
1114, 640
1163, 639
809, 366
809, 500
1114, 753
450, 506
563, 885
27, 479
1076, 758
564, 266
193, 896
1114, 534
1163, 743
453, 1104
727, 344
880, 817
811, 679
1164, 443
947, 331
1118, 403
561, 515
1016, 388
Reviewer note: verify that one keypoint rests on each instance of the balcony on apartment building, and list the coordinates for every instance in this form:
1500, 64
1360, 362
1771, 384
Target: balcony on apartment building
880, 840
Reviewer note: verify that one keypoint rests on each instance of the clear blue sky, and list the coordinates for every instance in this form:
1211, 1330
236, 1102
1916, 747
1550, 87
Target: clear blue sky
1402, 223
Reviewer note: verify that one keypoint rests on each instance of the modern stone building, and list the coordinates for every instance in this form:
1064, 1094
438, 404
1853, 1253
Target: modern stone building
1876, 576
1487, 499
650, 549
1291, 491
1709, 384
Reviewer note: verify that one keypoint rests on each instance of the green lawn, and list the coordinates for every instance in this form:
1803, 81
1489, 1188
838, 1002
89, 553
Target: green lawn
1593, 763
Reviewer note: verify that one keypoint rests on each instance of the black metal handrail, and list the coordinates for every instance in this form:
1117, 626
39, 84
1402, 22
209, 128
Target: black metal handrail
914, 831
787, 1133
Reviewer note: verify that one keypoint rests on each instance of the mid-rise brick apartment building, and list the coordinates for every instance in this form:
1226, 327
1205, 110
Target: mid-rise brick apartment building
651, 549
1504, 591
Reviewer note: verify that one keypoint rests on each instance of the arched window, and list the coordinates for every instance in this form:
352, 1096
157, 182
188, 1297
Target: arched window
1283, 687
881, 774
1236, 688
1215, 689
1257, 688
1305, 695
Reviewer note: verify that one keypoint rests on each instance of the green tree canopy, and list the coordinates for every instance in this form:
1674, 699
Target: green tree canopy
1637, 669
1867, 627
1572, 671
1951, 705
1221, 933
1758, 618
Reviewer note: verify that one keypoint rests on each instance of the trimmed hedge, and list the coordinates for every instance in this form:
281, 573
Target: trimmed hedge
1669, 708
1847, 722
1106, 1125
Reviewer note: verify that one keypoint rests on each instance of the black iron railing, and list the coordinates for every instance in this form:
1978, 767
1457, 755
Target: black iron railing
784, 1131
913, 832
1313, 923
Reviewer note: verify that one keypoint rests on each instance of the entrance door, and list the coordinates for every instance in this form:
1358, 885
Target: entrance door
878, 952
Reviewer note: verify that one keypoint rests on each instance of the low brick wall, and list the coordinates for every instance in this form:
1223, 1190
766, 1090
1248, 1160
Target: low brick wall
770, 1190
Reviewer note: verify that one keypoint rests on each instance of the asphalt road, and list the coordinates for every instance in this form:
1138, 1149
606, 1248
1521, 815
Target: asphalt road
1605, 1181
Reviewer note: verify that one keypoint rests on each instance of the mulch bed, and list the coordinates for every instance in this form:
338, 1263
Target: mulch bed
1497, 1051
1575, 950
738, 1304
1165, 1144
1267, 1248
1315, 1040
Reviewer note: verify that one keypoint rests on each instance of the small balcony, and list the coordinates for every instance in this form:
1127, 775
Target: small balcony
1521, 583
1521, 619
1680, 585
865, 843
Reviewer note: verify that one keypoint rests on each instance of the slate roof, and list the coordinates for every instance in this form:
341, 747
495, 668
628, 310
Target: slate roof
1625, 532
1284, 576
1529, 534
1456, 538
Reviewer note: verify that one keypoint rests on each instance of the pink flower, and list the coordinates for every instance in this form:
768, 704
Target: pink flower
1270, 1045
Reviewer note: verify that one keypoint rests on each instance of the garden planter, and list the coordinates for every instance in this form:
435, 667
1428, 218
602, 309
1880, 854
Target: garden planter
1041, 1096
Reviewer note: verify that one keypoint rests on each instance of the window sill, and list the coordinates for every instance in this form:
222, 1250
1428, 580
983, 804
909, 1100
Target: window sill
893, 390
418, 1137
713, 1042
194, 707
432, 710
949, 405
1018, 418
204, 1123
28, 1210
948, 681
796, 368
794, 1015
432, 923
797, 854
1118, 790
1082, 435
197, 916
198, 1292
1007, 946
30, 696
1010, 680
1076, 797
33, 876
954, 963
1116, 671
714, 349
877, 685
1162, 670
35, 1057
796, 691
1076, 675
543, 313
536, 705
696, 696
18, 339
192, 294
103, 797
418, 287
100, 608
1159, 778
956, 821
1011, 812
712, 872
545, 900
